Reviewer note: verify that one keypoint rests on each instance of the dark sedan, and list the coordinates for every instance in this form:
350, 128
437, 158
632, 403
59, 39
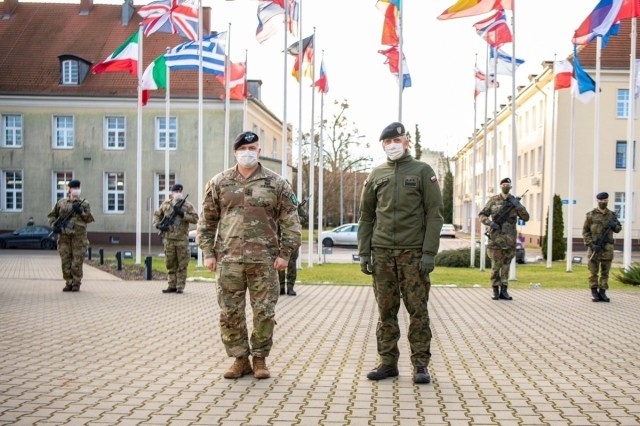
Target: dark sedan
29, 237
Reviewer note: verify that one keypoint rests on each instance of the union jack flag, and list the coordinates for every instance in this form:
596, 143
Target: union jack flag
170, 16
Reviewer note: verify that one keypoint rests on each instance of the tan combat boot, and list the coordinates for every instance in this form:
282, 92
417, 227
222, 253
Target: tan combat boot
240, 367
260, 370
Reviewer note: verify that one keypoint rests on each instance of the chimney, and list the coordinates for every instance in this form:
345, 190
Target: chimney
85, 7
127, 11
206, 20
255, 87
8, 7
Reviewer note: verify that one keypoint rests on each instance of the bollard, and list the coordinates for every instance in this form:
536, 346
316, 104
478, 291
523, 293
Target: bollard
101, 253
147, 263
119, 260
89, 253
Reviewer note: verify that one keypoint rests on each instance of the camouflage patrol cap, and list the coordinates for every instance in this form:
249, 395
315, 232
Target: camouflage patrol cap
393, 130
505, 180
74, 184
177, 187
602, 196
245, 138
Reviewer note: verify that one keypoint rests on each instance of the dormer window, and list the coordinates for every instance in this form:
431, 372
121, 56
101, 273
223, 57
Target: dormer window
73, 70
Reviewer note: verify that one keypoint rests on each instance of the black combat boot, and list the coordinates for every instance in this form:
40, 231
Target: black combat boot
602, 293
282, 290
290, 290
496, 293
382, 372
504, 295
595, 296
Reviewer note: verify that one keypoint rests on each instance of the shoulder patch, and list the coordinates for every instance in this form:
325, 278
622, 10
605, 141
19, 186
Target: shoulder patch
434, 179
293, 199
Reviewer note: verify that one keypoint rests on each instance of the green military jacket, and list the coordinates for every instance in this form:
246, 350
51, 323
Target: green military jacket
179, 230
77, 224
595, 223
505, 238
401, 208
241, 216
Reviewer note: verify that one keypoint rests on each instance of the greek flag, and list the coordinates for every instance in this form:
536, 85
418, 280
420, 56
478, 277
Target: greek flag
185, 55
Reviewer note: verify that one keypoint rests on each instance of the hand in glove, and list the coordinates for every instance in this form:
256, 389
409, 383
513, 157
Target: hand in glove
427, 264
495, 226
162, 228
365, 265
177, 210
77, 208
613, 223
596, 248
515, 201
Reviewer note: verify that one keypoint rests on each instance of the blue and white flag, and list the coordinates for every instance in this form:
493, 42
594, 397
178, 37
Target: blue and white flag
504, 62
185, 55
584, 87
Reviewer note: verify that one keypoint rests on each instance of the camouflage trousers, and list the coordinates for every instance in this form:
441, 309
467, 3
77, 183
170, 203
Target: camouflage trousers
176, 259
72, 249
234, 279
602, 266
500, 263
396, 276
290, 275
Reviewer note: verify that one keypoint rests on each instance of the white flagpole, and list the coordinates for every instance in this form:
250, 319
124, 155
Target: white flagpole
628, 200
167, 169
200, 119
227, 95
483, 249
139, 153
552, 176
572, 160
596, 127
245, 102
496, 178
312, 170
514, 122
400, 60
285, 150
320, 178
474, 213
300, 64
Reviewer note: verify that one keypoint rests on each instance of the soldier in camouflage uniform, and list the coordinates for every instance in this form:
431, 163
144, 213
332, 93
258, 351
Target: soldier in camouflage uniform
72, 240
597, 231
175, 236
288, 278
502, 238
398, 238
242, 210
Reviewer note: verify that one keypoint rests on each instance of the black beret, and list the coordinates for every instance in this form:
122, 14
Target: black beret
393, 130
505, 180
176, 187
602, 196
74, 184
244, 139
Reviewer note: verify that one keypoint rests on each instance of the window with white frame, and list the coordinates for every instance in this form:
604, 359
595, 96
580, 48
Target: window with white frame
537, 213
161, 133
63, 131
11, 131
114, 132
12, 187
619, 204
60, 181
540, 165
526, 164
519, 166
274, 148
160, 187
70, 72
621, 155
114, 192
262, 140
622, 103
533, 162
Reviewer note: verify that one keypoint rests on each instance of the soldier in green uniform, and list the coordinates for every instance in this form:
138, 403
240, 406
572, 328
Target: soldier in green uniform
398, 238
597, 232
70, 217
175, 234
288, 277
502, 237
242, 211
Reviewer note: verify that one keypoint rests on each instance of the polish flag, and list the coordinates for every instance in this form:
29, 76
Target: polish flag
563, 74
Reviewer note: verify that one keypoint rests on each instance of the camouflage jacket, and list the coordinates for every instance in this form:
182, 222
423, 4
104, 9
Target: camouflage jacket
77, 224
241, 216
180, 228
595, 224
401, 208
505, 238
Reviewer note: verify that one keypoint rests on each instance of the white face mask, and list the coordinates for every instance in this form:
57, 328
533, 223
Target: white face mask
177, 195
394, 150
247, 158
75, 192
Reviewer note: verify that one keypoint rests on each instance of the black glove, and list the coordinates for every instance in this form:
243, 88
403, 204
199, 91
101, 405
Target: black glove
515, 201
365, 265
177, 210
596, 248
57, 230
162, 228
77, 208
495, 226
427, 264
613, 223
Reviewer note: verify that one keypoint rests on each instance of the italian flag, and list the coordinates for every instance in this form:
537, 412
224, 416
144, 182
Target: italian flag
154, 78
124, 58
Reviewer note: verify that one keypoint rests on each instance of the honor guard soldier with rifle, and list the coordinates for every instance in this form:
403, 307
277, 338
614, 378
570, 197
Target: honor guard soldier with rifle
69, 219
500, 215
172, 219
597, 232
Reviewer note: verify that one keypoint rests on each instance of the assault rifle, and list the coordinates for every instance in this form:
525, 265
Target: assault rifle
598, 245
167, 221
62, 222
503, 214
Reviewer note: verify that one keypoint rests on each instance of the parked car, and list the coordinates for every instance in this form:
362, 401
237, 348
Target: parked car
193, 247
343, 235
448, 230
520, 252
35, 236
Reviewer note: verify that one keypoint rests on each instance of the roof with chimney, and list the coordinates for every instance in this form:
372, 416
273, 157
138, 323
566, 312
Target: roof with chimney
35, 35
